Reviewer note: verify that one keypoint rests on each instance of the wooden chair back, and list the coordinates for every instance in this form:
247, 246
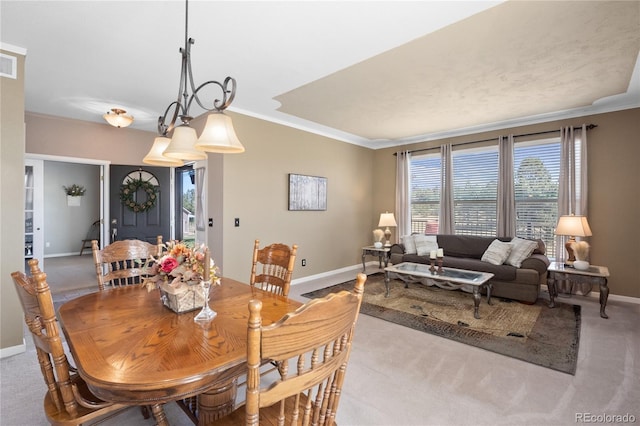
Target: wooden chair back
68, 400
272, 267
121, 262
311, 348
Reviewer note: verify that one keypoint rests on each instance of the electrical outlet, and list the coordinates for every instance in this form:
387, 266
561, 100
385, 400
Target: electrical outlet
47, 244
304, 262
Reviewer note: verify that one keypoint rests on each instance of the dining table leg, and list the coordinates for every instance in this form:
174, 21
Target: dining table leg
217, 402
159, 416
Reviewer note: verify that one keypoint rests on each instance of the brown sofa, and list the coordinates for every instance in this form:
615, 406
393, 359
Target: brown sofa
465, 251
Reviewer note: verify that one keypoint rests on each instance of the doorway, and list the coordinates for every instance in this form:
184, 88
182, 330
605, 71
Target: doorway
186, 204
63, 226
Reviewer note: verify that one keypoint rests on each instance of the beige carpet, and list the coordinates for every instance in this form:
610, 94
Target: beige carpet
532, 333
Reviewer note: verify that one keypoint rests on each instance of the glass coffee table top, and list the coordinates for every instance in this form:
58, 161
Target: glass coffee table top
457, 275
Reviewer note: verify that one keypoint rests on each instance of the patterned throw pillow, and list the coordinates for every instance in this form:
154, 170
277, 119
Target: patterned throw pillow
425, 243
409, 244
497, 252
520, 250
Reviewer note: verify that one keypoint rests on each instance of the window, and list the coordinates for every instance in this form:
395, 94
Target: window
425, 193
475, 191
536, 179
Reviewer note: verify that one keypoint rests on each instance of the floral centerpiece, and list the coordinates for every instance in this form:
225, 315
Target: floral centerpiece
178, 274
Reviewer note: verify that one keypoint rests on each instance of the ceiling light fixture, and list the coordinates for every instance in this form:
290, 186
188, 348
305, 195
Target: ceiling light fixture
118, 118
218, 134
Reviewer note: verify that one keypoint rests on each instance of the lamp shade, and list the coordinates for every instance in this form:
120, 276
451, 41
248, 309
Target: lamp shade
182, 145
387, 219
155, 157
576, 226
218, 135
118, 118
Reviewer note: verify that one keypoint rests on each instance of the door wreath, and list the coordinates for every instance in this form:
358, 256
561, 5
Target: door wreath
129, 189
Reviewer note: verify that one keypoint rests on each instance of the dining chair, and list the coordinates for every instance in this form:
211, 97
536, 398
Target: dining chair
121, 262
68, 401
312, 347
272, 267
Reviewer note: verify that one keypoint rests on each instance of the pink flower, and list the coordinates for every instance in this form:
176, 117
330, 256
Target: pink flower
168, 265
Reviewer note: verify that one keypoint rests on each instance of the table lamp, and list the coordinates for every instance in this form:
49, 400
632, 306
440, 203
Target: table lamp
572, 226
387, 220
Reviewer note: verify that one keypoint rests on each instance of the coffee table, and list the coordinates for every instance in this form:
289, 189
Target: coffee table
447, 278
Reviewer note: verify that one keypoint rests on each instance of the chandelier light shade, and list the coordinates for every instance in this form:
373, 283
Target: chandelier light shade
155, 157
182, 145
218, 134
118, 118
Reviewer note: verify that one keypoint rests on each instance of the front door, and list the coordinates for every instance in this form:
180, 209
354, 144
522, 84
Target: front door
132, 216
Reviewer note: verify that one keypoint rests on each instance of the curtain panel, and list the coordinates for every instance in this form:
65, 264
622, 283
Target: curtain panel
572, 191
446, 223
403, 194
506, 212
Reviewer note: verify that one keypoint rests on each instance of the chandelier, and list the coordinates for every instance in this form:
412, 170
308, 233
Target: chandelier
218, 134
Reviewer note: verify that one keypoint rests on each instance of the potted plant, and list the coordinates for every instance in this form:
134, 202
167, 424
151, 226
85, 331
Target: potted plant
74, 192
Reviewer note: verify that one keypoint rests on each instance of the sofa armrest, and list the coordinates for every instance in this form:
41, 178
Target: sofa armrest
397, 249
538, 262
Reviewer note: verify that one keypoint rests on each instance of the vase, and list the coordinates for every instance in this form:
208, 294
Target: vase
581, 265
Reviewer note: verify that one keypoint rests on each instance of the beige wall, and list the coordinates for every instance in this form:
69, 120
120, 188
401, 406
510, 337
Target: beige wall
256, 190
64, 137
12, 201
614, 194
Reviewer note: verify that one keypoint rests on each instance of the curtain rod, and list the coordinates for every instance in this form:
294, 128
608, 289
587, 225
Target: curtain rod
589, 127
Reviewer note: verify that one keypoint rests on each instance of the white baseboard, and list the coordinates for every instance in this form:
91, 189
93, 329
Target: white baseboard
372, 267
13, 350
75, 253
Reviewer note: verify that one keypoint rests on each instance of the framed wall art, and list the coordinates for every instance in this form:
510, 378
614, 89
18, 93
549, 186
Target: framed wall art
307, 192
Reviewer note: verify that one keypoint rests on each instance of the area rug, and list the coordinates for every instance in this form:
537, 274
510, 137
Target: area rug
532, 333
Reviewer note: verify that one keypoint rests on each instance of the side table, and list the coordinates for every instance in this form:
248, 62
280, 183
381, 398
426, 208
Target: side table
594, 275
383, 254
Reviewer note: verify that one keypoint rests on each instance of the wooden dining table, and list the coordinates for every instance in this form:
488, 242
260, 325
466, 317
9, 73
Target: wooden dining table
130, 348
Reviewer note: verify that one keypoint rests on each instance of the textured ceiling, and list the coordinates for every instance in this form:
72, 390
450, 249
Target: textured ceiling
376, 73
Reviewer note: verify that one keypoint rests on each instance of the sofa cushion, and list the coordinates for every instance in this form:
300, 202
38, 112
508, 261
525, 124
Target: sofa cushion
497, 252
520, 250
425, 244
409, 244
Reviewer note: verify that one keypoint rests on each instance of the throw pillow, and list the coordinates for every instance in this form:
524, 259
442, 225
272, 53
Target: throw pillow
520, 250
425, 243
409, 244
497, 252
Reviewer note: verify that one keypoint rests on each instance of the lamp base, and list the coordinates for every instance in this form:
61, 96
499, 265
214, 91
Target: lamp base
387, 236
570, 255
